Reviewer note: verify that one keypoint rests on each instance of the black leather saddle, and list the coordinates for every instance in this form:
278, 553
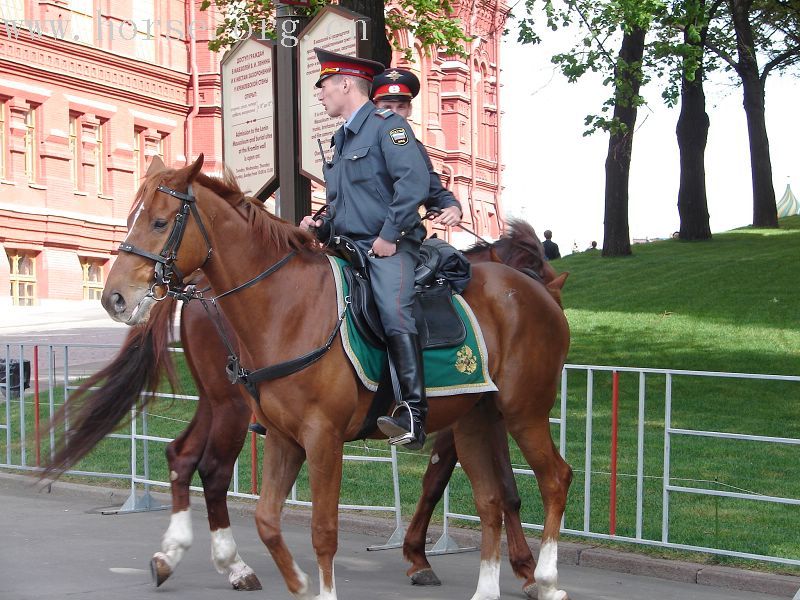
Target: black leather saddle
438, 323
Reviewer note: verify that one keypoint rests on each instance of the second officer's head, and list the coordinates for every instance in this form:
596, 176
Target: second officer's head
394, 89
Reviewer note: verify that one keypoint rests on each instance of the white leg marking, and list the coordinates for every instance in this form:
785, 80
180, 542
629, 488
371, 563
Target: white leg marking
488, 581
225, 556
546, 573
304, 593
177, 538
325, 593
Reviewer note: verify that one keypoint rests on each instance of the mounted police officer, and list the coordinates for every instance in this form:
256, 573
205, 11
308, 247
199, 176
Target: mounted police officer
375, 184
395, 89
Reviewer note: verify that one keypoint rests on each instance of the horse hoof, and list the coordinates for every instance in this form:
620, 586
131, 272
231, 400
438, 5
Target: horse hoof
425, 577
248, 583
160, 570
532, 592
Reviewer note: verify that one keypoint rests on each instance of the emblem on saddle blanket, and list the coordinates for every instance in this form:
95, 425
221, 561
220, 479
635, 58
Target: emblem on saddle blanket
449, 371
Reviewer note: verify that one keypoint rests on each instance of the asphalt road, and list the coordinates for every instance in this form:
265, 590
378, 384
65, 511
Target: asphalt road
57, 545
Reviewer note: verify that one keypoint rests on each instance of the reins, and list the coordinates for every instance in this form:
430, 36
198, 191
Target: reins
166, 274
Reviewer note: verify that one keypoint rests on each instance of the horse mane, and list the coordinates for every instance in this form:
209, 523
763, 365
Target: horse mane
272, 230
518, 247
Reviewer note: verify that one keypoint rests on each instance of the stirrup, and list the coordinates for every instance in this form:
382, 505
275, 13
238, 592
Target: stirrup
409, 436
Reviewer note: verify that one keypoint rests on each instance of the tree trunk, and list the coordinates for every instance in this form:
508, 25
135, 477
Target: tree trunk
692, 134
374, 9
765, 211
628, 76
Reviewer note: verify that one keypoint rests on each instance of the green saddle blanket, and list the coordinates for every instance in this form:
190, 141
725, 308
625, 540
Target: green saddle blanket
460, 369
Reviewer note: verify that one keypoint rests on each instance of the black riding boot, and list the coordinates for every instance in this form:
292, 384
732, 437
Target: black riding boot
257, 428
406, 426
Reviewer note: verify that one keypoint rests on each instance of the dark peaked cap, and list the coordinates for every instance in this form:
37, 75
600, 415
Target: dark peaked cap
395, 85
333, 63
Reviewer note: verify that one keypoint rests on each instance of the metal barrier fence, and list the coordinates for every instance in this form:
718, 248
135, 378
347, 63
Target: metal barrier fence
591, 521
668, 487
60, 378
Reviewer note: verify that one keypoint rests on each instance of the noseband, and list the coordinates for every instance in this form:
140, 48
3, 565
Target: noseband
166, 271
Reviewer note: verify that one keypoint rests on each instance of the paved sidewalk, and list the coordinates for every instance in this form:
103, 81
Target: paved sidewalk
57, 545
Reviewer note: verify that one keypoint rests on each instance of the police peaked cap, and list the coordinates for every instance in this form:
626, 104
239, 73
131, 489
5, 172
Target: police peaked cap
333, 63
395, 85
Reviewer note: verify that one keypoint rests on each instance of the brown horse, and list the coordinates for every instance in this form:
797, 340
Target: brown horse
524, 329
215, 437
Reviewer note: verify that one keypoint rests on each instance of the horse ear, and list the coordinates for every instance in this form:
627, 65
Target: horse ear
156, 166
195, 167
558, 282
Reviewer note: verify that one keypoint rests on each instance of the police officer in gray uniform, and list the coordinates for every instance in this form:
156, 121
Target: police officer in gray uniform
375, 184
395, 89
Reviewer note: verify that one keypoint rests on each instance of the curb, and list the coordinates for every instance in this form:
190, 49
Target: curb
569, 553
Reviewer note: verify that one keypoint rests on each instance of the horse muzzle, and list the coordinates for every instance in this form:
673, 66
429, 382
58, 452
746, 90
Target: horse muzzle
131, 310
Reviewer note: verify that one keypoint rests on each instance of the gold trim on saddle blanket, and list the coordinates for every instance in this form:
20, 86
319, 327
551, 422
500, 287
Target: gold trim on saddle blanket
466, 361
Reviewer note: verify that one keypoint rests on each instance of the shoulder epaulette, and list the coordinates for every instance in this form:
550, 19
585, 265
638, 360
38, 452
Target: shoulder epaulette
384, 113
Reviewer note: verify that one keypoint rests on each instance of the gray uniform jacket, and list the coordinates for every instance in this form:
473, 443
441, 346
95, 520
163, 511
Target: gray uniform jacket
438, 196
377, 179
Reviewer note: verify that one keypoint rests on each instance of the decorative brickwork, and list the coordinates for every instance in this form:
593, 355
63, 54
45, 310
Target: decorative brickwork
82, 111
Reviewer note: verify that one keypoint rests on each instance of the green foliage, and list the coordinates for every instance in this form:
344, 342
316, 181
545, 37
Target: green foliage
432, 24
430, 21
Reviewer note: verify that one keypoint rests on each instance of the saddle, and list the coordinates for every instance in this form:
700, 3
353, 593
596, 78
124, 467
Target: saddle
438, 324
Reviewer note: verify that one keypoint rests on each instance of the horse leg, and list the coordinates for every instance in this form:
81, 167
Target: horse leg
554, 476
519, 553
325, 479
437, 475
227, 436
183, 454
472, 435
283, 458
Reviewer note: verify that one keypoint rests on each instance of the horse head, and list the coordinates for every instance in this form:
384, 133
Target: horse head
167, 239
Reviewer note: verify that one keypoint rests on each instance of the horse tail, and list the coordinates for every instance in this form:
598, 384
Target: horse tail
93, 413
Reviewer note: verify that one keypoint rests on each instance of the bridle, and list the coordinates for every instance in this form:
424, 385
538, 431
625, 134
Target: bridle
166, 271
167, 275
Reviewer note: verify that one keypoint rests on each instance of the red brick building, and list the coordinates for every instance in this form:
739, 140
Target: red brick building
90, 91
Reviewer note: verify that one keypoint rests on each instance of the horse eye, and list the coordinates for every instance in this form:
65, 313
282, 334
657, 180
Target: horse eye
160, 224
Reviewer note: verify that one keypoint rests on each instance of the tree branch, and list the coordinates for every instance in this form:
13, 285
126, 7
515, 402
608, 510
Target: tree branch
722, 54
783, 57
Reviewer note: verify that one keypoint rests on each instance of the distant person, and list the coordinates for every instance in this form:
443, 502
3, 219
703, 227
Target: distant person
592, 247
550, 247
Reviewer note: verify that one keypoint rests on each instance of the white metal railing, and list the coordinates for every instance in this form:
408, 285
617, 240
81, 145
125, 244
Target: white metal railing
58, 376
445, 544
139, 433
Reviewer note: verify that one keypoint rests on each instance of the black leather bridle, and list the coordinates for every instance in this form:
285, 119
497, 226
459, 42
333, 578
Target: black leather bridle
168, 276
167, 273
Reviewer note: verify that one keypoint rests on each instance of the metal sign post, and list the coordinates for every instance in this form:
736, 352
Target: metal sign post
294, 200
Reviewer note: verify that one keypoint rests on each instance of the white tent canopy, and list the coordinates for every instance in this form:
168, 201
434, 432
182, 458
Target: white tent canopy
788, 205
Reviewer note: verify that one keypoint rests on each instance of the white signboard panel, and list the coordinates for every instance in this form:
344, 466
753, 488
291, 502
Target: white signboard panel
248, 115
337, 30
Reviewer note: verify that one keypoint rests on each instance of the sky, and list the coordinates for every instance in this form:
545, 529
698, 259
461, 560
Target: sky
554, 177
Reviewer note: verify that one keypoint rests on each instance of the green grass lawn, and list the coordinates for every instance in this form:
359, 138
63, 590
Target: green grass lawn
731, 304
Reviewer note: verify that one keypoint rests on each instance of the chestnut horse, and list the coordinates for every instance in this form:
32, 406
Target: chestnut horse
189, 221
215, 436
